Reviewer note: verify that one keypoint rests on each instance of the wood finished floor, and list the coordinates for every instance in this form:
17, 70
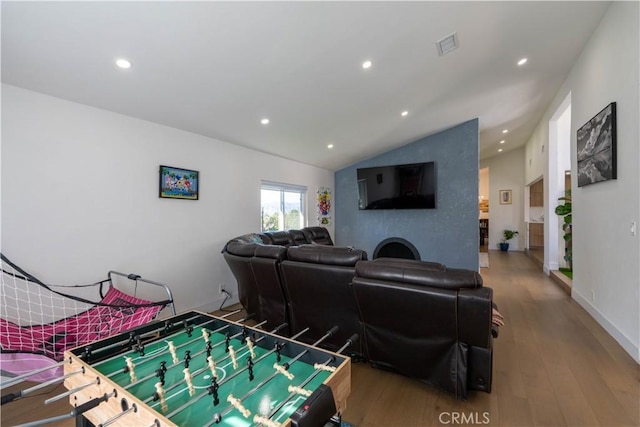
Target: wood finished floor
553, 366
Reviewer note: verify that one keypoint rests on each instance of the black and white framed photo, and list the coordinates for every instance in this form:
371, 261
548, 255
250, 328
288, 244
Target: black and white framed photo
597, 148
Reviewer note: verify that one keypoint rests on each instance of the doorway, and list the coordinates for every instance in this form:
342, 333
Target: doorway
483, 209
559, 180
536, 221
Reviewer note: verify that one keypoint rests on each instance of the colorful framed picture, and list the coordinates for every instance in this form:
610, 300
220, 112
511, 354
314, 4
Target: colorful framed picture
177, 183
505, 197
597, 148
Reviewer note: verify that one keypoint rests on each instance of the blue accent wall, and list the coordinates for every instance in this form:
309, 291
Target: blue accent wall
447, 234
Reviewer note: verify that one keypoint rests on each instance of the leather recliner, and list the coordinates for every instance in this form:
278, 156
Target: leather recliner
317, 282
427, 322
257, 269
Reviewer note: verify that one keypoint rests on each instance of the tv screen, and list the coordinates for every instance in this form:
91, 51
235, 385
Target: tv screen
411, 186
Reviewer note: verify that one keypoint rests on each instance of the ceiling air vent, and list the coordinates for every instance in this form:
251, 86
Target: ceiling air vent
447, 44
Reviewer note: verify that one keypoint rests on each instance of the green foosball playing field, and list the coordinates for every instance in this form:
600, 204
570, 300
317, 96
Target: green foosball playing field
168, 373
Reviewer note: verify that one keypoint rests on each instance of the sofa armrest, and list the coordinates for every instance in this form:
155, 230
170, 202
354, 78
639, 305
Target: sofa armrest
320, 254
239, 248
474, 316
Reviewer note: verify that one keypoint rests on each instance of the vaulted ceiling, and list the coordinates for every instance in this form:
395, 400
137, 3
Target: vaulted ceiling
219, 68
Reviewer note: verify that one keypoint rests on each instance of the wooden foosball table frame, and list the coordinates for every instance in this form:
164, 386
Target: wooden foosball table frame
114, 405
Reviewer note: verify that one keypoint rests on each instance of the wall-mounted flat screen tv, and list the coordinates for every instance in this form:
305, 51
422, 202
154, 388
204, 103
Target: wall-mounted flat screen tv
411, 186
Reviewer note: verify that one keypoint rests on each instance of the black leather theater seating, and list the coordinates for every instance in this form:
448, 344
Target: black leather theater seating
417, 318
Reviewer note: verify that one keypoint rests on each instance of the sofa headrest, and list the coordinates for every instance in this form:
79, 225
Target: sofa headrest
297, 237
320, 254
279, 238
271, 251
426, 274
319, 235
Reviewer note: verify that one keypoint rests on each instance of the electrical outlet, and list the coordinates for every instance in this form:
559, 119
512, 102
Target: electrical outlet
221, 289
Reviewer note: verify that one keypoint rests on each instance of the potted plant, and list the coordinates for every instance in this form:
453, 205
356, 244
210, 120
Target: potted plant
506, 236
564, 211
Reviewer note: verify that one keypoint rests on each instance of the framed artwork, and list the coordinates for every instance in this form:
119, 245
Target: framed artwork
505, 197
597, 148
177, 183
323, 197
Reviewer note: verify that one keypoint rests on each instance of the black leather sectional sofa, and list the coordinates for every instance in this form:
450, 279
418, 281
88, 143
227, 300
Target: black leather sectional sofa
417, 318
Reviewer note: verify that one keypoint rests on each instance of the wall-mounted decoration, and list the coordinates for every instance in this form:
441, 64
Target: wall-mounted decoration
323, 199
176, 183
597, 148
505, 197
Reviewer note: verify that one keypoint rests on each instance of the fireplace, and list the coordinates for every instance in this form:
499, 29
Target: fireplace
396, 247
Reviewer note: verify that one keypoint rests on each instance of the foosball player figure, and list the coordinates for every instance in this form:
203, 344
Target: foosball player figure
159, 394
205, 336
232, 354
187, 358
172, 350
189, 380
212, 366
130, 368
160, 372
250, 368
227, 340
250, 347
213, 390
132, 340
209, 348
167, 327
188, 329
139, 347
279, 346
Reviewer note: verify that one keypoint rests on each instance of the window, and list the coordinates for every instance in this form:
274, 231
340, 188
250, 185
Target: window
282, 206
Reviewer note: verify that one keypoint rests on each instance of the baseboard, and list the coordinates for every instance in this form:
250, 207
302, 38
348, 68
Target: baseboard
624, 342
563, 281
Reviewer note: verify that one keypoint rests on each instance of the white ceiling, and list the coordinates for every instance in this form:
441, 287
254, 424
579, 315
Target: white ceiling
217, 68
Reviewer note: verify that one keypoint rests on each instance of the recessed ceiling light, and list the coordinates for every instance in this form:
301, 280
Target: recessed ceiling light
500, 150
522, 61
404, 113
330, 146
505, 131
264, 121
367, 64
502, 142
123, 63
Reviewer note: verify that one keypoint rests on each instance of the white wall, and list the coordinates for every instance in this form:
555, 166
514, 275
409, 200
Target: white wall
606, 255
80, 197
505, 173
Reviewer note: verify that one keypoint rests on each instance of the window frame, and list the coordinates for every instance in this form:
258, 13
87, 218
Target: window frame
284, 188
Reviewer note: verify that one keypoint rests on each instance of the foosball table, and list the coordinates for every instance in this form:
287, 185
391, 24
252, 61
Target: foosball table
196, 369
